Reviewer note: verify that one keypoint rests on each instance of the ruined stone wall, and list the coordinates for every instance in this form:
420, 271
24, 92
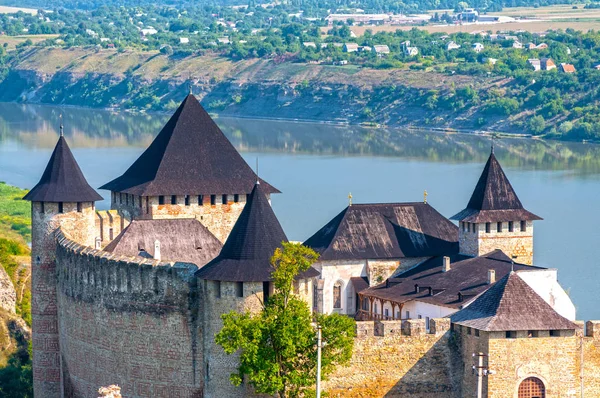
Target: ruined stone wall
79, 225
397, 359
128, 323
516, 243
219, 217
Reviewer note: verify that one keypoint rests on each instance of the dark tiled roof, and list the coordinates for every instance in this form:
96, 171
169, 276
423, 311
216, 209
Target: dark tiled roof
359, 283
385, 231
467, 276
190, 156
246, 254
511, 304
62, 180
184, 240
494, 198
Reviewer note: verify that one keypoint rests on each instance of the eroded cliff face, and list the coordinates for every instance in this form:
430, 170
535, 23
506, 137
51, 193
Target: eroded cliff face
249, 88
8, 295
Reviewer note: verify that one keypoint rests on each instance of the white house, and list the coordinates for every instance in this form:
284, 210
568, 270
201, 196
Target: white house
452, 46
184, 40
350, 47
477, 47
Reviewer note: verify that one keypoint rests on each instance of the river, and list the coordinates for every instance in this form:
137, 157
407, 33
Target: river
317, 165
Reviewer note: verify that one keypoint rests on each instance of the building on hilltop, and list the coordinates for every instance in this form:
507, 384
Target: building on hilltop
526, 348
190, 170
371, 242
495, 218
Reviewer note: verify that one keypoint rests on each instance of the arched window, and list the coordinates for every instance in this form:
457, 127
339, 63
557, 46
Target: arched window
337, 295
532, 387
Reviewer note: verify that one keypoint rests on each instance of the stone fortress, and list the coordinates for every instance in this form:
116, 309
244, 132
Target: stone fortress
133, 296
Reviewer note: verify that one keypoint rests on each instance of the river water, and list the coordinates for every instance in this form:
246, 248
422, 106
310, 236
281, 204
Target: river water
317, 165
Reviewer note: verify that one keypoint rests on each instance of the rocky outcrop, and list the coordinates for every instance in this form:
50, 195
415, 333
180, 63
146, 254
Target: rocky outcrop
8, 295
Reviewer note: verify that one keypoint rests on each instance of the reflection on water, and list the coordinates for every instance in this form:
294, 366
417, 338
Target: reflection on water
37, 126
316, 165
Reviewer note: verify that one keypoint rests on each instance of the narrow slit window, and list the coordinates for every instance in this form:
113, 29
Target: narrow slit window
523, 226
60, 207
79, 207
43, 209
488, 227
468, 227
161, 200
200, 200
510, 226
213, 200
224, 199
126, 198
187, 200
236, 198
173, 199
147, 204
499, 227
475, 228
239, 289
218, 289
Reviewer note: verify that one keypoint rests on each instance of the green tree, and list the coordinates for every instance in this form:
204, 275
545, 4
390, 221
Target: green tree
537, 124
278, 354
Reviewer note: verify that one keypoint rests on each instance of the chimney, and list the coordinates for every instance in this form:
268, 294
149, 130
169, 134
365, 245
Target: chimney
157, 250
98, 243
446, 264
491, 276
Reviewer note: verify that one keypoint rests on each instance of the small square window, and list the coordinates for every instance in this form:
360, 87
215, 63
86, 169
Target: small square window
533, 333
510, 226
468, 330
161, 200
488, 227
476, 332
499, 227
173, 199
555, 333
511, 334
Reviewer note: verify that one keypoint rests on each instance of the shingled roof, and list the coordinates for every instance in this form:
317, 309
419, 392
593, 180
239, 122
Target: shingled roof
246, 254
467, 276
190, 156
494, 198
385, 231
184, 240
511, 304
62, 180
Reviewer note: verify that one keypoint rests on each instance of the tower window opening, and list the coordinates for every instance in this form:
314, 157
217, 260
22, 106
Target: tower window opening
42, 208
265, 292
187, 200
554, 333
236, 198
147, 205
140, 201
337, 295
523, 226
161, 200
173, 199
464, 226
121, 198
60, 207
224, 199
200, 200
475, 228
468, 227
488, 227
213, 200
79, 207
239, 289
511, 334
127, 199
499, 227
218, 289
510, 226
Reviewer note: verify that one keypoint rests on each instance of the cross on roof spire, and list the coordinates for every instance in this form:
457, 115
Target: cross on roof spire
61, 125
349, 198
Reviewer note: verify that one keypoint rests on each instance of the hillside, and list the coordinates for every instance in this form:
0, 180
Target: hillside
257, 88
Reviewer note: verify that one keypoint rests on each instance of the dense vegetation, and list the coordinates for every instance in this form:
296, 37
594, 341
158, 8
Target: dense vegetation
15, 231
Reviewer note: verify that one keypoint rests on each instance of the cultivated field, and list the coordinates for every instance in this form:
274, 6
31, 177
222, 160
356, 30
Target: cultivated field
12, 10
14, 40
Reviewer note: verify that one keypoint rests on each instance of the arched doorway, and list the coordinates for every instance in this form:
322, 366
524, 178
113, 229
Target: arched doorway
532, 387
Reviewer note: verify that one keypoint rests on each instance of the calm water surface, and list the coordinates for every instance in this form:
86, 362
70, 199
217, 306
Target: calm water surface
316, 166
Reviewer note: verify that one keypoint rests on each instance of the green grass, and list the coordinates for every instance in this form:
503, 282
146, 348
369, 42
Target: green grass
15, 214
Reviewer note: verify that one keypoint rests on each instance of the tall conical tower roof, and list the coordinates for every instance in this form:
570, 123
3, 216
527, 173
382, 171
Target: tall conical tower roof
246, 254
511, 304
494, 198
62, 180
190, 155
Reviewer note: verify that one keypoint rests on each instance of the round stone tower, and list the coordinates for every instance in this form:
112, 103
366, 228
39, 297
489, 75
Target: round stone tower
61, 199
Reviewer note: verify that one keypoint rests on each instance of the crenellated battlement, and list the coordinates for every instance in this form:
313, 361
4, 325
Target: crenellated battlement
121, 282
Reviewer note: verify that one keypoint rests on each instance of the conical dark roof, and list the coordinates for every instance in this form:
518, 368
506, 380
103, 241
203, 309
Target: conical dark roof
511, 304
190, 156
62, 180
246, 254
494, 198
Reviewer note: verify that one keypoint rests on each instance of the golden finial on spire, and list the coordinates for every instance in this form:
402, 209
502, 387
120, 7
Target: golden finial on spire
61, 124
349, 198
425, 196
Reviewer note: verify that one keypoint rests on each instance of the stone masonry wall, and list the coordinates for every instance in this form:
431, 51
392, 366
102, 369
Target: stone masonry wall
44, 307
128, 323
396, 364
218, 218
516, 243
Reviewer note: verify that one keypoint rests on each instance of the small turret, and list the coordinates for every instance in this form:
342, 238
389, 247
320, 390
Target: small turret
61, 199
495, 218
